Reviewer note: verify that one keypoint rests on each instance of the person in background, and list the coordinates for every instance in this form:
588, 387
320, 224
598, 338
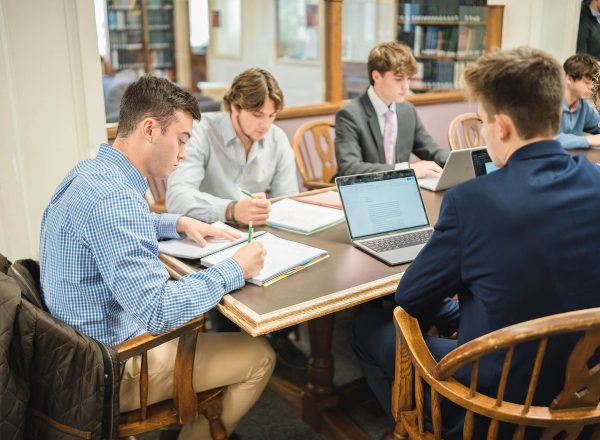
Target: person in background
577, 115
100, 270
237, 149
379, 130
588, 36
517, 244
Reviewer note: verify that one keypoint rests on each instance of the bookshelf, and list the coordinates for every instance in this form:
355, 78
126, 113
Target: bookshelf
141, 36
445, 35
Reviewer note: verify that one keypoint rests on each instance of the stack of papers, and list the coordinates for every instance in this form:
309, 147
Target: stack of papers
331, 199
303, 218
187, 248
284, 258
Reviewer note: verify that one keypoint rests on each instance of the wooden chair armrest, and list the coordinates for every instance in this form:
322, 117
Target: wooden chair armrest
145, 341
411, 335
314, 184
175, 267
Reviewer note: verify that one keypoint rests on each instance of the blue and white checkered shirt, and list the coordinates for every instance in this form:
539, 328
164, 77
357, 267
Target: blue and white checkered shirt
100, 270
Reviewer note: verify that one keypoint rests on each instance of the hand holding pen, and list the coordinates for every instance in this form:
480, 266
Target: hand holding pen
252, 207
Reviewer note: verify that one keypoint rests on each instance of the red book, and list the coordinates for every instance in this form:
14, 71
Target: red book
331, 199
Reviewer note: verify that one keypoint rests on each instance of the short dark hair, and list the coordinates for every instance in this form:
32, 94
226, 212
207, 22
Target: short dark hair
251, 89
518, 83
391, 57
581, 65
153, 97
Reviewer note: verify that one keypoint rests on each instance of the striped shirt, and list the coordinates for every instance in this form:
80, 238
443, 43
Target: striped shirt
100, 270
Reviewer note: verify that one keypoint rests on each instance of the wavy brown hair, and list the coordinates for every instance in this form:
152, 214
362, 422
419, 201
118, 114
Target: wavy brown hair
391, 57
251, 89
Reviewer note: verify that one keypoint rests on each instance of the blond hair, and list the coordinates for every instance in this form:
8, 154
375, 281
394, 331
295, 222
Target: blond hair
524, 83
251, 89
391, 57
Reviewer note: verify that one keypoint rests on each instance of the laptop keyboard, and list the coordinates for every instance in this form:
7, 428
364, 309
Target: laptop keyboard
398, 241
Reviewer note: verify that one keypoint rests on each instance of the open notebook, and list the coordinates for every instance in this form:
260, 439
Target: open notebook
187, 248
284, 258
303, 218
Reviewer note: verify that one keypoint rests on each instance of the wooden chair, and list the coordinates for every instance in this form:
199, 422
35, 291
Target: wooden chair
465, 132
186, 403
158, 191
315, 154
575, 407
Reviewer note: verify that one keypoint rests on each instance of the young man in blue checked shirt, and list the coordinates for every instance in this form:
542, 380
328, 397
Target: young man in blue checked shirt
100, 270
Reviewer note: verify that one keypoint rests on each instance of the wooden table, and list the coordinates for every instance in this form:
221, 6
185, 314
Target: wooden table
347, 278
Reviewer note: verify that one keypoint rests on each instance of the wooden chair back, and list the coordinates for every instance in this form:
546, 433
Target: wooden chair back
315, 153
465, 132
576, 406
186, 404
158, 191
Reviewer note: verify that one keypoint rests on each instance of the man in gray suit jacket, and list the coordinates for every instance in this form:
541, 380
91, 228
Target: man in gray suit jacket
379, 130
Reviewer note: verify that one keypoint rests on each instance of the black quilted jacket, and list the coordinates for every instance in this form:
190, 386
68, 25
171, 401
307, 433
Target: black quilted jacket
55, 383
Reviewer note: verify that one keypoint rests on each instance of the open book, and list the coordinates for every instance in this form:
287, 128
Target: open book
187, 248
303, 218
284, 258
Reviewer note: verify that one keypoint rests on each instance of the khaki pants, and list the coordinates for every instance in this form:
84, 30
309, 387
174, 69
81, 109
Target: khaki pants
242, 363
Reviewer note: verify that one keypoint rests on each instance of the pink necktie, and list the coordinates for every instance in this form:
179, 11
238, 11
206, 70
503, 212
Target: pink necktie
388, 132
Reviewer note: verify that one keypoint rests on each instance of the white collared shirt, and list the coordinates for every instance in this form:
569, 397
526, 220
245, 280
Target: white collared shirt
380, 110
216, 167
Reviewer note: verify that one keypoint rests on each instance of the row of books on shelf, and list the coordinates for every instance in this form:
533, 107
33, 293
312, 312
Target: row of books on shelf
161, 58
121, 39
159, 17
438, 74
124, 4
160, 36
121, 20
442, 11
123, 59
459, 41
160, 4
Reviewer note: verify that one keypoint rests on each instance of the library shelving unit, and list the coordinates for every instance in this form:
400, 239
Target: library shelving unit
445, 35
141, 36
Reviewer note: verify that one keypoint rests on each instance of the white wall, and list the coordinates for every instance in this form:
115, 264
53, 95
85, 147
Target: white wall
51, 109
550, 25
301, 83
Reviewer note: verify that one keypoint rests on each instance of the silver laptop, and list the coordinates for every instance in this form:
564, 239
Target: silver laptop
385, 214
458, 169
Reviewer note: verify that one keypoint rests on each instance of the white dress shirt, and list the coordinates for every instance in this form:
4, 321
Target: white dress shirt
380, 109
216, 168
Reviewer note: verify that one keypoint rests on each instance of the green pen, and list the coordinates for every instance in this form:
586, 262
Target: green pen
250, 231
247, 193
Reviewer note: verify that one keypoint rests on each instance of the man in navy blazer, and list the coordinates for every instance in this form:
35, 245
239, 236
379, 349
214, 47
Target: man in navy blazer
366, 140
520, 243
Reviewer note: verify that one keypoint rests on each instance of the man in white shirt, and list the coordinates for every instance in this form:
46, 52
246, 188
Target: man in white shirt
233, 150
379, 130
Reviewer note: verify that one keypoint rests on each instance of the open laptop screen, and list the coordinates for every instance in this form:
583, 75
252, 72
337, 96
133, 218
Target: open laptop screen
482, 163
377, 203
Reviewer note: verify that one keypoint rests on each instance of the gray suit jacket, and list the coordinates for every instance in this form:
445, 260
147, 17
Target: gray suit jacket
359, 143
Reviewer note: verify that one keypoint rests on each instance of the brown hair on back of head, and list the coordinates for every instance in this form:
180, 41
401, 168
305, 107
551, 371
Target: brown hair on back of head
251, 89
391, 57
153, 97
525, 84
581, 65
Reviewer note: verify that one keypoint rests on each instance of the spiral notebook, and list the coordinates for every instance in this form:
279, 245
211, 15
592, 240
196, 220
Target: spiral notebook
303, 218
187, 248
284, 258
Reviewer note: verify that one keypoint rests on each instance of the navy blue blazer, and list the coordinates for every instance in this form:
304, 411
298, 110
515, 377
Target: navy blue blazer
520, 243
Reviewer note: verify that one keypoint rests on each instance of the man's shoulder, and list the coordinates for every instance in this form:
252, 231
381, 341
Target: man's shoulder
354, 107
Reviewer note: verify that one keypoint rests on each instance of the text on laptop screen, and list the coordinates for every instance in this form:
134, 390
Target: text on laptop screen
381, 205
